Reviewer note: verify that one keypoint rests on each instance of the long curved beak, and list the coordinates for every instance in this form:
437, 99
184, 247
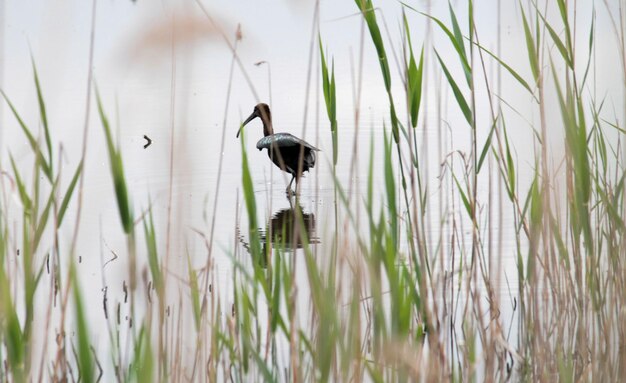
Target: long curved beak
250, 118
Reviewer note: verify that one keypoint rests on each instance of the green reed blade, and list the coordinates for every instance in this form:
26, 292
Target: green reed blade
414, 77
21, 188
153, 256
85, 362
612, 209
458, 95
565, 19
390, 188
590, 51
367, 9
143, 361
466, 203
43, 218
117, 172
31, 140
69, 192
248, 193
368, 12
194, 291
458, 37
275, 304
12, 337
565, 53
457, 44
536, 203
42, 113
487, 145
328, 85
530, 47
511, 71
510, 168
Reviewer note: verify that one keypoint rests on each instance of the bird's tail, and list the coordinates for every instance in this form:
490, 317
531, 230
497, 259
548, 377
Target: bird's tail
309, 159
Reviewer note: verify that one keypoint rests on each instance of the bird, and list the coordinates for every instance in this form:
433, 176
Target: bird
290, 153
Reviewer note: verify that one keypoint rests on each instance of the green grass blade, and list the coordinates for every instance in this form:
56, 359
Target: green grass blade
143, 366
558, 43
195, 294
43, 219
560, 244
21, 188
31, 140
414, 78
390, 187
560, 46
576, 139
615, 126
85, 362
458, 37
612, 209
42, 113
510, 168
530, 47
536, 204
248, 193
458, 95
117, 172
565, 19
367, 9
511, 71
153, 256
370, 179
470, 19
69, 192
416, 89
590, 51
466, 203
487, 145
11, 336
265, 370
328, 85
275, 307
457, 44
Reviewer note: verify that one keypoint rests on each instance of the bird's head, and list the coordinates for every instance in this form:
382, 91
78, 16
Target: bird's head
262, 111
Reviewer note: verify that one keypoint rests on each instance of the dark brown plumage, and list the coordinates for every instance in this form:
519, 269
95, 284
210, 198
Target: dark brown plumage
288, 152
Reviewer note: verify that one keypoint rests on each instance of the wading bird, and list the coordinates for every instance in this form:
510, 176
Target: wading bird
288, 152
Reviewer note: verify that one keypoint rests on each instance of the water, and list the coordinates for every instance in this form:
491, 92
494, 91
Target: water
133, 70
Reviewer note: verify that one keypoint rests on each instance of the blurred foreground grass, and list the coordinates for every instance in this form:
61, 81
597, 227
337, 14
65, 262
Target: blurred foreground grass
392, 305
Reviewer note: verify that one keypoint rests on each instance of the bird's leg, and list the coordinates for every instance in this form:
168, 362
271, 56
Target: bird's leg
297, 184
288, 191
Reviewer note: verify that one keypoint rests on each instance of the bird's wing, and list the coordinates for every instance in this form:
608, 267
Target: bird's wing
282, 140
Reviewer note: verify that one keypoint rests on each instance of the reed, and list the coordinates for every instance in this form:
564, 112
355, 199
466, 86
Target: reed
401, 299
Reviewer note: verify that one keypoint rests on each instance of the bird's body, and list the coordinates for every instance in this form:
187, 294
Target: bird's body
287, 147
288, 152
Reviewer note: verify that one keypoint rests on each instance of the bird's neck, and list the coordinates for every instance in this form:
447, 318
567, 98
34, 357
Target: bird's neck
267, 128
266, 117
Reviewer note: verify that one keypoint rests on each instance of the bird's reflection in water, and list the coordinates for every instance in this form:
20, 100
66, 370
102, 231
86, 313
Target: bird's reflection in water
288, 229
286, 232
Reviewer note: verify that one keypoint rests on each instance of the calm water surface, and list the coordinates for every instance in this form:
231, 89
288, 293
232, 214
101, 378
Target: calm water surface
133, 69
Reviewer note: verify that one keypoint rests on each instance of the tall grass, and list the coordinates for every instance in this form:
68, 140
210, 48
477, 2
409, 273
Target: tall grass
390, 304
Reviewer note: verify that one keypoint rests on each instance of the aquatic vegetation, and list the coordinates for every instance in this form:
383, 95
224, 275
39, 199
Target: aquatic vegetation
414, 283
